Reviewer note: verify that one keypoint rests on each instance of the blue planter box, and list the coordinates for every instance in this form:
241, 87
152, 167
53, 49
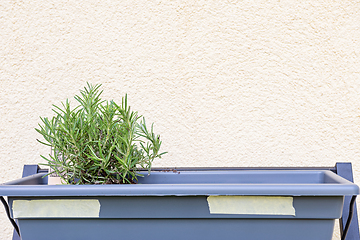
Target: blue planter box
203, 204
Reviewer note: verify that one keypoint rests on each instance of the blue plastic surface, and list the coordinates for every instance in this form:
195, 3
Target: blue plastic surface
173, 205
194, 183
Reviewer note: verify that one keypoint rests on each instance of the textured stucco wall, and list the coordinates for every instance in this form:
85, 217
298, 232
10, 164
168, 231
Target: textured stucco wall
227, 83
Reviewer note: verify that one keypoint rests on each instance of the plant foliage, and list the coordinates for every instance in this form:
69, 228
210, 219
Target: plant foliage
98, 142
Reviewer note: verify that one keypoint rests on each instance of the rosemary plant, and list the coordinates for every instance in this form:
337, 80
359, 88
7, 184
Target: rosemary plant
98, 142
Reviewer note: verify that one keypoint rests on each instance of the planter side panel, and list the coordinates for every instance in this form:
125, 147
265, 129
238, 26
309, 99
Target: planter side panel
177, 229
197, 207
175, 218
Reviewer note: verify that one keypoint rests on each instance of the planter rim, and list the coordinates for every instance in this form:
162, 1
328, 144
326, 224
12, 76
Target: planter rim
333, 185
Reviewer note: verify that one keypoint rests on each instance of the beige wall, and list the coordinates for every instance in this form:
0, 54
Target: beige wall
227, 83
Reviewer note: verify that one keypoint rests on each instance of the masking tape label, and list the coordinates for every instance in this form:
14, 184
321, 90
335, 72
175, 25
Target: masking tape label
264, 205
72, 208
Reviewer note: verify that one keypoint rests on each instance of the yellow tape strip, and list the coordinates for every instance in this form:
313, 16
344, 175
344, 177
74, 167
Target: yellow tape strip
71, 208
263, 205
